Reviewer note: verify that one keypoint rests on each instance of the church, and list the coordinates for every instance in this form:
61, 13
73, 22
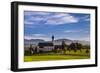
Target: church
46, 46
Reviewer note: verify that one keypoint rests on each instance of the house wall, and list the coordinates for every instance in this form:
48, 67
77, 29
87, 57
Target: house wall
49, 48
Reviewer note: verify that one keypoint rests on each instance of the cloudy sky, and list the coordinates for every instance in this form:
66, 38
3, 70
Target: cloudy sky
42, 25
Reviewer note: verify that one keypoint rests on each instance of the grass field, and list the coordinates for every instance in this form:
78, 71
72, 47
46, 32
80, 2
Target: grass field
52, 56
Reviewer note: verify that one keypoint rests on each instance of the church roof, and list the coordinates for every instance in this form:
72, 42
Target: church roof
45, 44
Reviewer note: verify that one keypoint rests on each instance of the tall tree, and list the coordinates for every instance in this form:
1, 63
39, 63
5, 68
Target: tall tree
31, 49
64, 47
79, 46
72, 46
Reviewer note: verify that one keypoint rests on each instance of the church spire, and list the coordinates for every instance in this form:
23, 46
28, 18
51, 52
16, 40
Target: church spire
52, 38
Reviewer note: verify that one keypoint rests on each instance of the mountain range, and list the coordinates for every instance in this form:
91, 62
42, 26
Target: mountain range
56, 42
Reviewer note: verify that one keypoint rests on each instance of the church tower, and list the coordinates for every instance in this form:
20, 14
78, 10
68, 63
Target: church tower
52, 38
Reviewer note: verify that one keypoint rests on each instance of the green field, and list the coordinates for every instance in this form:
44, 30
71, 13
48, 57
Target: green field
58, 56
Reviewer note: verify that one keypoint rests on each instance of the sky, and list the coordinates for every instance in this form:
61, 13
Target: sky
42, 25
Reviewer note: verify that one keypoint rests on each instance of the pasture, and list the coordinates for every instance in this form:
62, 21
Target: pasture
58, 56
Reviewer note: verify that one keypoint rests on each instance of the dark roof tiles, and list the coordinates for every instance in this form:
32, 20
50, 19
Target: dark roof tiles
46, 44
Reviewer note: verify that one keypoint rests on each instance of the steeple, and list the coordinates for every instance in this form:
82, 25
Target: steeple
52, 38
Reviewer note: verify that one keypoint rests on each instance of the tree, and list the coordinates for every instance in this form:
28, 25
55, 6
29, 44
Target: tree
72, 46
64, 47
79, 46
35, 50
87, 51
86, 47
31, 49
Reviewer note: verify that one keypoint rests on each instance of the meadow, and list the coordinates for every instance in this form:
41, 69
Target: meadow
58, 56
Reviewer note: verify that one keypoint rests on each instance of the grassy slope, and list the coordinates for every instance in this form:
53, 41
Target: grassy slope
69, 56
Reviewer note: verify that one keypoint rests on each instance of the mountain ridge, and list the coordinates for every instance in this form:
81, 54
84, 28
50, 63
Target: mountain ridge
56, 42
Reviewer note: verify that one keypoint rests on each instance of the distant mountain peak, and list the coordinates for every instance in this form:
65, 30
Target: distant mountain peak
34, 39
63, 40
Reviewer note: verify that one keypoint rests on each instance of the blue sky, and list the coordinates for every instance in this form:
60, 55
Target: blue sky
42, 25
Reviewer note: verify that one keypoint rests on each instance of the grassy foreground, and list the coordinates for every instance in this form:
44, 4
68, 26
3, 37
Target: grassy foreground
49, 57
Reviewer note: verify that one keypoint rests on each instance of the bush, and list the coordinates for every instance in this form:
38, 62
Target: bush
27, 53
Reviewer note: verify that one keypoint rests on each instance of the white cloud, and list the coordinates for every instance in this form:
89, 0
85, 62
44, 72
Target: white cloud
88, 19
28, 22
49, 18
37, 37
62, 20
85, 18
72, 31
30, 13
58, 19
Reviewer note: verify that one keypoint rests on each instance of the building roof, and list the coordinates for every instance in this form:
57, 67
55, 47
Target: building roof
45, 44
